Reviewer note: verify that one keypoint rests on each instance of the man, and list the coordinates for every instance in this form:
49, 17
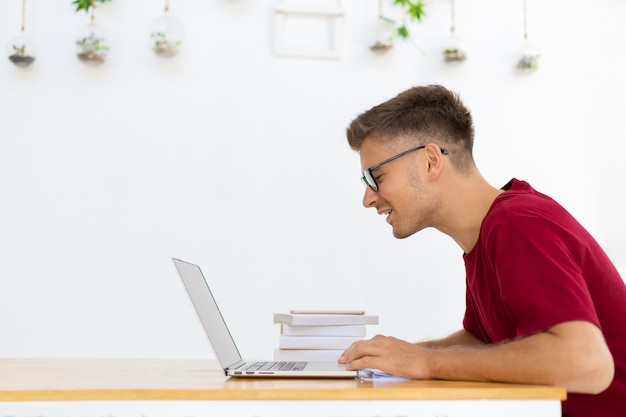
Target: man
544, 304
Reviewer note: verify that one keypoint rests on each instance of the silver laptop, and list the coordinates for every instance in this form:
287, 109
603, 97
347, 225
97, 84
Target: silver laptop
224, 346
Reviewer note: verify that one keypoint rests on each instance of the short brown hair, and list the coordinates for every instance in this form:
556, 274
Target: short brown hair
420, 113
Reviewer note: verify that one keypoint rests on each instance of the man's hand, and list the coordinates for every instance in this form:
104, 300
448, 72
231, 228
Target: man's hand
390, 355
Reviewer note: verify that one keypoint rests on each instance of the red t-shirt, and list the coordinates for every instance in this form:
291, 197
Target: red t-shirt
534, 266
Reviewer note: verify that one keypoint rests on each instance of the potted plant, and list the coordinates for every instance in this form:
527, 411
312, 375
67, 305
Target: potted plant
91, 43
19, 45
167, 35
454, 55
92, 48
19, 56
528, 62
454, 50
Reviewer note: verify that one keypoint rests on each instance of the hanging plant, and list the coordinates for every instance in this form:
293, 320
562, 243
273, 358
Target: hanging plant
529, 60
91, 43
385, 32
86, 4
21, 49
19, 56
454, 50
412, 10
167, 34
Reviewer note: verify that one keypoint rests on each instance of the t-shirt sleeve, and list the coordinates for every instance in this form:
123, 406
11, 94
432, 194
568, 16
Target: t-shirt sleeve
537, 269
470, 321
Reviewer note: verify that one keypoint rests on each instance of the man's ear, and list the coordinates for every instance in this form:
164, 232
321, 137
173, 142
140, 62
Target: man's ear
434, 159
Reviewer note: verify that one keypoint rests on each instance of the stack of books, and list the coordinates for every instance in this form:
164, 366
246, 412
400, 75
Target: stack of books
319, 335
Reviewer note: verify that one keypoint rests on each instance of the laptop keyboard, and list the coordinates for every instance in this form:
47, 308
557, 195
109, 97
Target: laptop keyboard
276, 366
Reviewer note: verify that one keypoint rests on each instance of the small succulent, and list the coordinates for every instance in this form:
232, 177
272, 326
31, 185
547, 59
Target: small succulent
92, 49
528, 62
92, 44
454, 55
163, 46
19, 50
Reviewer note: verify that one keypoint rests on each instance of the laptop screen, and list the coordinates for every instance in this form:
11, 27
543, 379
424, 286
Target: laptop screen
208, 313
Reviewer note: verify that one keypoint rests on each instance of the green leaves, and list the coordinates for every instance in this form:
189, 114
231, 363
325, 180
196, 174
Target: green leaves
413, 9
86, 4
402, 31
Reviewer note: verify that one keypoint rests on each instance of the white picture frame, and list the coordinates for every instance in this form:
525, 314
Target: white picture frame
309, 31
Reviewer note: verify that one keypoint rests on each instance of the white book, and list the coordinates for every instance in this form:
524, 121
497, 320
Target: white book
348, 330
296, 319
316, 342
310, 355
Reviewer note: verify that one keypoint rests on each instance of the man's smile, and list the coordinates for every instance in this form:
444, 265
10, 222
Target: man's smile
386, 213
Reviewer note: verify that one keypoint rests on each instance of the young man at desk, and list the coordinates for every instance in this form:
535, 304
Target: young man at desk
544, 304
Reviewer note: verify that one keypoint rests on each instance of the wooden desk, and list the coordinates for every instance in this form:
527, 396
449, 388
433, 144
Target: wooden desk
181, 387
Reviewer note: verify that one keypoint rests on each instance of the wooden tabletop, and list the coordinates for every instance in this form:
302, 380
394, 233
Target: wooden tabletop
194, 379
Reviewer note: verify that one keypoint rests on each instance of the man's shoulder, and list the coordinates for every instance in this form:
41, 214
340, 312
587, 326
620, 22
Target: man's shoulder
519, 195
515, 186
521, 207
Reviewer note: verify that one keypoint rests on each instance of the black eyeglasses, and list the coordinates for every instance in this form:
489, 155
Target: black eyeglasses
368, 178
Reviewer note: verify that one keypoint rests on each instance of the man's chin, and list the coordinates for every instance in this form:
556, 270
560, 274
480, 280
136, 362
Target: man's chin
399, 234
403, 234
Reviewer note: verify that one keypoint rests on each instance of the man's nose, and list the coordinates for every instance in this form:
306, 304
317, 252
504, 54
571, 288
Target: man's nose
369, 198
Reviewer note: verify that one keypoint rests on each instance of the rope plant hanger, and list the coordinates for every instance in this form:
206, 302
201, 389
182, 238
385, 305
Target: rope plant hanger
167, 34
21, 50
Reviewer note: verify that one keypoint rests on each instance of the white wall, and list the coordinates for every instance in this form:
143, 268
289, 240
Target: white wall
235, 159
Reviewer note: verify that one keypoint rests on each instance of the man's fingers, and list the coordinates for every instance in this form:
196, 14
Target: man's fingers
361, 350
364, 362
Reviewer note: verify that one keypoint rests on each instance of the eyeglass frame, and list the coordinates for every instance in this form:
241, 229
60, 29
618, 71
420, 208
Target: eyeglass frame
367, 173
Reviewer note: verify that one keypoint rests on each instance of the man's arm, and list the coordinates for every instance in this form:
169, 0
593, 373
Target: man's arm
572, 355
460, 338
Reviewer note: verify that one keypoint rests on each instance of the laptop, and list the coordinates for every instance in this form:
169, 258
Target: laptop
224, 346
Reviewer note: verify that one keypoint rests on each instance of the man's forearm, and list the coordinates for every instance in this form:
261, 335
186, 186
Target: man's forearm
460, 338
572, 355
548, 358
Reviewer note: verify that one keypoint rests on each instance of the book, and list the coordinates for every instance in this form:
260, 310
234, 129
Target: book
299, 355
346, 330
306, 319
358, 312
316, 342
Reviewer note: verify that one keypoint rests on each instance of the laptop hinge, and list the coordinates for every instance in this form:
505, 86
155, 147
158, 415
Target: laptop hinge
235, 365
